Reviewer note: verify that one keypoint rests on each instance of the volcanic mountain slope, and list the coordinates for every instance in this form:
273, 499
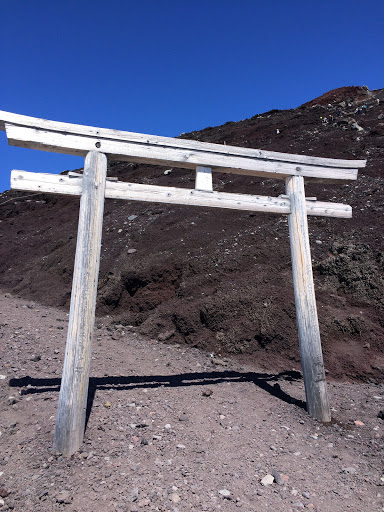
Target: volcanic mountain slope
221, 279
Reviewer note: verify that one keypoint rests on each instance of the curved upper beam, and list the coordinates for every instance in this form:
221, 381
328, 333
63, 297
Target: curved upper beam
77, 139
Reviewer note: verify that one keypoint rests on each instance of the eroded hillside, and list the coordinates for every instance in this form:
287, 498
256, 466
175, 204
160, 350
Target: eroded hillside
220, 279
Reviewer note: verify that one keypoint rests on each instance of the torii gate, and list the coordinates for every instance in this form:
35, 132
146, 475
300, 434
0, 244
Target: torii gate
93, 186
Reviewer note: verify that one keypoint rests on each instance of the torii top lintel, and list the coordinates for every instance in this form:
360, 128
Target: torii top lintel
74, 139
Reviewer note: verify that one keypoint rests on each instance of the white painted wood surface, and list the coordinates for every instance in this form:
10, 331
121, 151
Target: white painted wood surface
203, 179
71, 413
306, 312
226, 160
58, 184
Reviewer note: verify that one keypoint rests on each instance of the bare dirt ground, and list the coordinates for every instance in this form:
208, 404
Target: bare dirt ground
173, 428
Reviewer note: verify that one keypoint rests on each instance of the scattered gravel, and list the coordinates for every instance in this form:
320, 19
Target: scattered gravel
156, 440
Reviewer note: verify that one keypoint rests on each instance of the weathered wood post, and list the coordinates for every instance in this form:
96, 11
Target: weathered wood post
203, 178
306, 312
70, 419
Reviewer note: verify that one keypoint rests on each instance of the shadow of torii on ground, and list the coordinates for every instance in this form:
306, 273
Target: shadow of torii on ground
265, 381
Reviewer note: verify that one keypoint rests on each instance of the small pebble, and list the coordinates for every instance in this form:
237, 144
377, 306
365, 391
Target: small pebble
267, 480
176, 498
349, 470
280, 479
64, 497
4, 492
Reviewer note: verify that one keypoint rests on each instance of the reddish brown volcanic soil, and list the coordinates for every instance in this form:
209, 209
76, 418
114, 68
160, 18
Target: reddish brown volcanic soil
218, 279
172, 429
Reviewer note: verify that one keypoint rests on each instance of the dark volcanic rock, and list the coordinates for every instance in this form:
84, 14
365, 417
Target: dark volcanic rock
221, 279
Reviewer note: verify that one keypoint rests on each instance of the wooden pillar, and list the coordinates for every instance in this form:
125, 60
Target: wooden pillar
306, 312
204, 178
70, 419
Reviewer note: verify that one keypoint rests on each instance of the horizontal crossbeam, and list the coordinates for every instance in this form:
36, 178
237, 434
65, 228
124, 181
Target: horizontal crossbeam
72, 185
134, 147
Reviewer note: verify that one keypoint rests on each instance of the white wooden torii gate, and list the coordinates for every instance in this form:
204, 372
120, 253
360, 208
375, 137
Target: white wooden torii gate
93, 186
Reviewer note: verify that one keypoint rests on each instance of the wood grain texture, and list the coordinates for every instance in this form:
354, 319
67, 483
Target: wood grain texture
306, 312
106, 133
57, 184
70, 420
203, 179
179, 155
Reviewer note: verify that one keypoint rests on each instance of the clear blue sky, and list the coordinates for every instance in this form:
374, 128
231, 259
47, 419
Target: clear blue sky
170, 67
